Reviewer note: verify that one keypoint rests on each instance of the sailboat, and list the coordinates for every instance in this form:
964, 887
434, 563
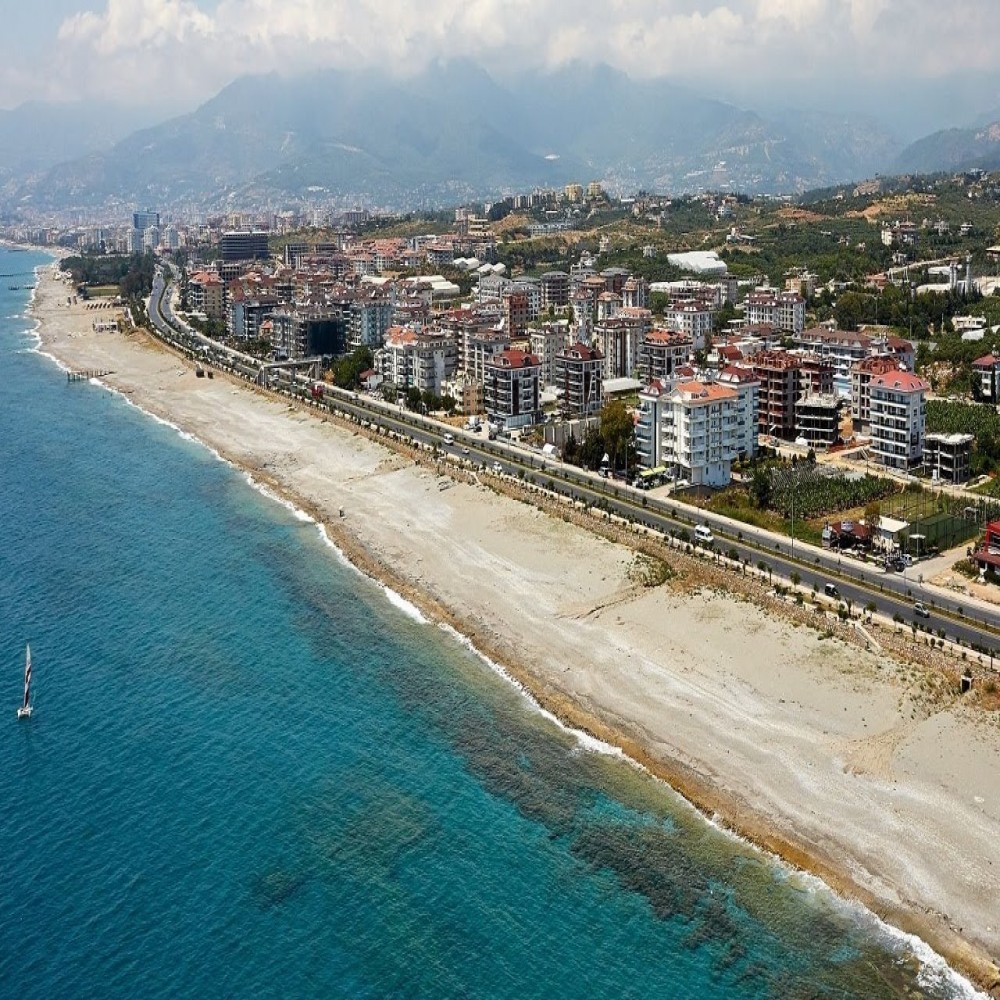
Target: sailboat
25, 710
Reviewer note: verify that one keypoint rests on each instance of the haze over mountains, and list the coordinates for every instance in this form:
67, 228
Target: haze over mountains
449, 134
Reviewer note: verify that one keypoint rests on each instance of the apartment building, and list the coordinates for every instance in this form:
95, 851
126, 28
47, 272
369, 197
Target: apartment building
691, 318
842, 349
701, 433
621, 338
987, 369
422, 359
784, 311
898, 419
817, 419
579, 375
784, 377
862, 374
307, 332
661, 352
948, 457
511, 389
747, 387
546, 342
554, 287
207, 294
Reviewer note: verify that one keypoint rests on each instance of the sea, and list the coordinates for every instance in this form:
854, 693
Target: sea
253, 772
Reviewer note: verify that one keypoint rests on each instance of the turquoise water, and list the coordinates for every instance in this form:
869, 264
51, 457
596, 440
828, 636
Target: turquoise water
249, 774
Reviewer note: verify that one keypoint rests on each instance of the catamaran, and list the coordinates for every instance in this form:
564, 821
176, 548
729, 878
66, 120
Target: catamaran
25, 710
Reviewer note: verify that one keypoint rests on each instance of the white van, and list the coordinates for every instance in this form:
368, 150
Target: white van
703, 534
449, 438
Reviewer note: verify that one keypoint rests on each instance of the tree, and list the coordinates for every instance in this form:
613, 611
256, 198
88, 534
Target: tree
873, 511
617, 429
414, 398
761, 486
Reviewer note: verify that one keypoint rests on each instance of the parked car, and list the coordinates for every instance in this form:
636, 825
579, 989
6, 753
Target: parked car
920, 610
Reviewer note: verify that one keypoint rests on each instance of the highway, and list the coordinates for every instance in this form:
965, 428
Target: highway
892, 593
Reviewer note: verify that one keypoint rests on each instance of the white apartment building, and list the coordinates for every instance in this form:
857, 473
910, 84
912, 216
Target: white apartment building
747, 388
898, 414
693, 429
620, 339
546, 342
782, 310
692, 318
421, 359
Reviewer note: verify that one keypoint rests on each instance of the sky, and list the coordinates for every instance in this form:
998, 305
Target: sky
181, 52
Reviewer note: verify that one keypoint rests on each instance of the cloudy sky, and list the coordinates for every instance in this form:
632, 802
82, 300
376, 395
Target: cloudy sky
144, 50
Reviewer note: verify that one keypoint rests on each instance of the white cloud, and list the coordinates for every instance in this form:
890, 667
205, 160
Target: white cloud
140, 48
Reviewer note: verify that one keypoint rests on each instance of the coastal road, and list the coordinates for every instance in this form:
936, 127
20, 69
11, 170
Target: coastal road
892, 594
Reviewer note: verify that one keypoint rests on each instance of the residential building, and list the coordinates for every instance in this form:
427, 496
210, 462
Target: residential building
546, 342
861, 375
661, 351
620, 338
777, 372
511, 389
898, 419
700, 433
244, 316
948, 457
817, 419
554, 286
649, 427
306, 332
747, 388
692, 318
987, 369
784, 311
207, 294
579, 374
842, 349
516, 314
421, 359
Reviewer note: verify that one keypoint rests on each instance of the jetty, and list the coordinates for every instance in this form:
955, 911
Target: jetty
86, 375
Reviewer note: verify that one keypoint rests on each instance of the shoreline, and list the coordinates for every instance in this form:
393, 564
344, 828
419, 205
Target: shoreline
697, 780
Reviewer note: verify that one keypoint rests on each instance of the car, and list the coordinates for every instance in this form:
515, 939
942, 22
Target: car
920, 609
830, 590
465, 451
497, 468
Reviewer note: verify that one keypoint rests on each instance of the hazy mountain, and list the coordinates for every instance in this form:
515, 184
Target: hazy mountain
453, 133
36, 135
953, 149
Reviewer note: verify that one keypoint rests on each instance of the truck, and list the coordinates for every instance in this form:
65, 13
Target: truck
472, 424
491, 431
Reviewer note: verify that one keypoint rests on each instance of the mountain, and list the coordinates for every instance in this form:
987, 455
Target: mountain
453, 133
953, 149
35, 136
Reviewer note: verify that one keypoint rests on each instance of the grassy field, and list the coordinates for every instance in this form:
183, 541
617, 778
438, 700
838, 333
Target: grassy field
102, 291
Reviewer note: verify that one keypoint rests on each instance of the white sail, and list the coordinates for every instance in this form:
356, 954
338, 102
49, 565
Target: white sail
25, 709
27, 675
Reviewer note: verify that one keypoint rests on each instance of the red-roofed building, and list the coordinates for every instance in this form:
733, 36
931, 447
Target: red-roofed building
861, 376
987, 369
987, 555
511, 389
898, 418
579, 373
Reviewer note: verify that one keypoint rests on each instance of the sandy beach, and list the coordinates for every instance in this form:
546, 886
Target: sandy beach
809, 746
